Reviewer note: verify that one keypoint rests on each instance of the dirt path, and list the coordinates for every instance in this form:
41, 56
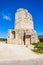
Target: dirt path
11, 52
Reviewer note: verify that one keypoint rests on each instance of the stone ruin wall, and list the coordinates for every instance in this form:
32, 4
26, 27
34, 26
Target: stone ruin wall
23, 23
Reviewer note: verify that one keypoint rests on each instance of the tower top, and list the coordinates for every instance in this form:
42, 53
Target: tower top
22, 9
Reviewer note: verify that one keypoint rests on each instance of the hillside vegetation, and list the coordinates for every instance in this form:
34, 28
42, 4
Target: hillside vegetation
3, 39
40, 38
38, 47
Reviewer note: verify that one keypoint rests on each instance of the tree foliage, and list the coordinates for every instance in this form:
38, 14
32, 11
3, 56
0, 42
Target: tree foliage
40, 38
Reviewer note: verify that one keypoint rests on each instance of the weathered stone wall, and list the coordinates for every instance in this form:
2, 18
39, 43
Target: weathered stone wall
23, 23
23, 20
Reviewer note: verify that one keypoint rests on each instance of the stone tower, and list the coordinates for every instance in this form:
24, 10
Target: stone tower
23, 32
23, 20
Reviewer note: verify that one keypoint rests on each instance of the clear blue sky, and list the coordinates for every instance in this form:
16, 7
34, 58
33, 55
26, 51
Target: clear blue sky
8, 9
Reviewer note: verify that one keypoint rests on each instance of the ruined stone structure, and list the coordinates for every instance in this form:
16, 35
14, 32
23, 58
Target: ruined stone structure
23, 32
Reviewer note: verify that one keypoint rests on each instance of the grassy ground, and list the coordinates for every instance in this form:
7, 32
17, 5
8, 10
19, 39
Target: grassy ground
38, 47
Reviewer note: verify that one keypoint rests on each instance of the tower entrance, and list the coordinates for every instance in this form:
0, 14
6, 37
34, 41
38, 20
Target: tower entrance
27, 39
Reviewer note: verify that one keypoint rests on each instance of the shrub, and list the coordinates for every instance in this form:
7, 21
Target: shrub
34, 43
38, 47
38, 50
